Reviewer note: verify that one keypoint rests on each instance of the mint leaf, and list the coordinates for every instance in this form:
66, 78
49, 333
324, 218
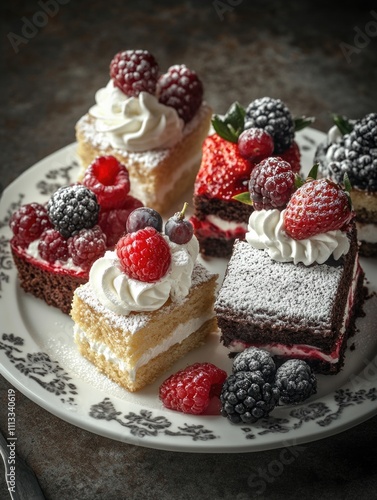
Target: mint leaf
313, 172
301, 122
243, 198
232, 124
343, 124
223, 130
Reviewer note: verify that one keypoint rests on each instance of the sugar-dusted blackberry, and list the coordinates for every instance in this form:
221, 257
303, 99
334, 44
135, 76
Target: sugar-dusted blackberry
253, 359
295, 381
246, 397
274, 117
356, 154
72, 208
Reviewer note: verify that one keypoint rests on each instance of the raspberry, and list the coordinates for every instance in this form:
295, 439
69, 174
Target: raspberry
144, 255
317, 207
114, 222
271, 184
246, 397
253, 359
295, 381
274, 117
72, 208
255, 144
292, 155
28, 223
223, 173
53, 246
181, 89
86, 246
191, 390
134, 71
109, 181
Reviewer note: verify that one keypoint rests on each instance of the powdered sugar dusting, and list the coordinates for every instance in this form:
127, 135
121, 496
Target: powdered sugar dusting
304, 293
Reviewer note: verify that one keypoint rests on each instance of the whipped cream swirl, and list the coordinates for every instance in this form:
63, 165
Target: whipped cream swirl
135, 123
121, 294
266, 231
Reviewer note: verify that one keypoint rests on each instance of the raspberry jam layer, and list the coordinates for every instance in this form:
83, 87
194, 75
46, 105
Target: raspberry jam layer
215, 227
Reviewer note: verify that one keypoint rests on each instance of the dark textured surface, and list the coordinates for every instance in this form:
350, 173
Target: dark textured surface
289, 50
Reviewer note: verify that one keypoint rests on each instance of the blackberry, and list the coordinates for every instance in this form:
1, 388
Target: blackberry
356, 154
246, 397
296, 381
273, 116
72, 208
252, 360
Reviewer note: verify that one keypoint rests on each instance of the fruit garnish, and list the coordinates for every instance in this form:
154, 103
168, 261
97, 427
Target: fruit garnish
293, 156
72, 208
253, 359
343, 124
109, 180
181, 88
134, 71
271, 184
230, 126
178, 228
192, 389
86, 246
143, 217
53, 246
301, 122
114, 222
144, 255
28, 223
255, 144
296, 381
318, 206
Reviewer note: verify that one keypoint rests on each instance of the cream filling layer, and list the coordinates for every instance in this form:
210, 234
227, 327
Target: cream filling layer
366, 232
181, 333
305, 351
226, 225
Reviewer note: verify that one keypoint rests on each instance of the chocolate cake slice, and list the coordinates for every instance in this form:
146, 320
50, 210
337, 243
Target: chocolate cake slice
293, 311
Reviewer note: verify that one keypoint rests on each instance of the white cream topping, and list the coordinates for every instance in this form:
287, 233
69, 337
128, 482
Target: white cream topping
266, 231
121, 294
182, 332
32, 251
135, 123
366, 232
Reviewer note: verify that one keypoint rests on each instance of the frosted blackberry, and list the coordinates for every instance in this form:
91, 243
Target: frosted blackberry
246, 397
356, 154
273, 116
253, 359
72, 208
295, 381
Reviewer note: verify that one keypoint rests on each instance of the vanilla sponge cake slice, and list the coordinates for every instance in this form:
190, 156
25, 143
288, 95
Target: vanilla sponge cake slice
133, 350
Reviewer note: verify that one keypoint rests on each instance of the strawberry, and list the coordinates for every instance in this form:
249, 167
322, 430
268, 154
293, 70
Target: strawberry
292, 156
318, 206
224, 173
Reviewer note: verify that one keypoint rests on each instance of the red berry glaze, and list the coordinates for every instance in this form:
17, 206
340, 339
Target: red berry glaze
318, 206
223, 172
255, 144
181, 89
134, 71
86, 246
293, 156
28, 223
53, 246
271, 184
144, 255
191, 390
109, 181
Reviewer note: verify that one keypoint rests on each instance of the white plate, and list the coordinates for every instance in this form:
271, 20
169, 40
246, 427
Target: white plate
39, 358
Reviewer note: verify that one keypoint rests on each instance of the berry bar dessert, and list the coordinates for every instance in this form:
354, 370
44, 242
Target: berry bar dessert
351, 148
294, 287
241, 140
147, 303
54, 245
153, 123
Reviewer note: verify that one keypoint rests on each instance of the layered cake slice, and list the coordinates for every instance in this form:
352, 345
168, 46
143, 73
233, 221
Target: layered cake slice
153, 123
294, 287
351, 147
146, 304
54, 245
241, 140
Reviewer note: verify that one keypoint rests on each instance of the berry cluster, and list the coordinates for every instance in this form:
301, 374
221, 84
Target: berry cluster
79, 221
144, 252
255, 387
135, 71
